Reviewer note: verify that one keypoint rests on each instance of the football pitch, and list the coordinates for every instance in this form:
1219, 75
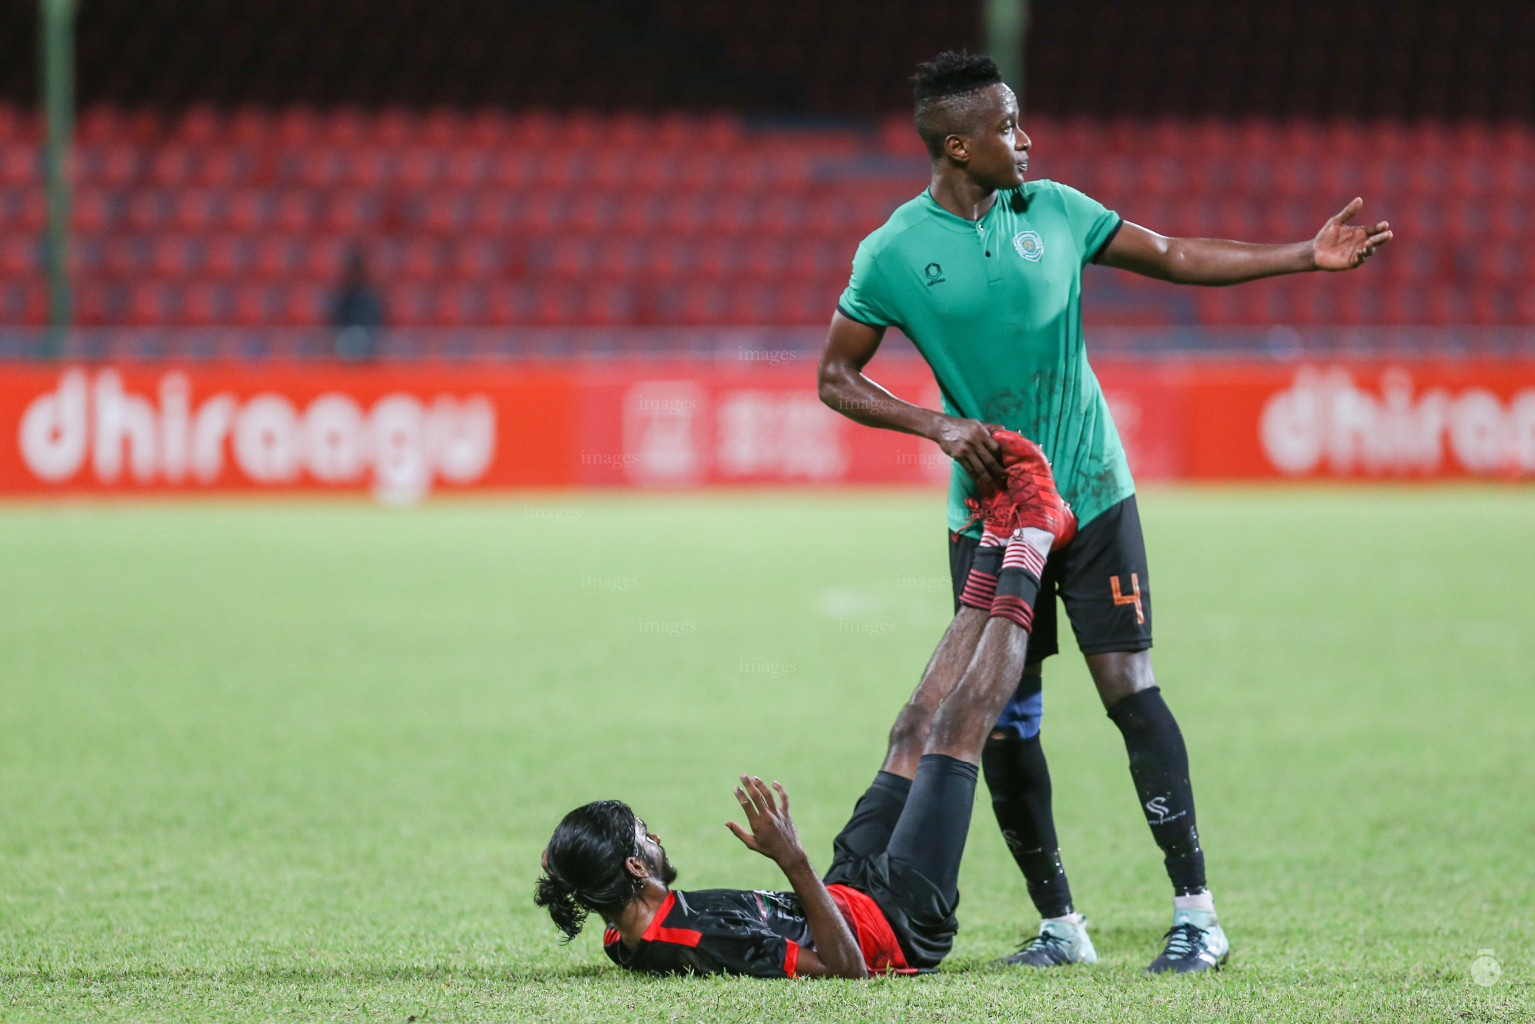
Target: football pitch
296, 761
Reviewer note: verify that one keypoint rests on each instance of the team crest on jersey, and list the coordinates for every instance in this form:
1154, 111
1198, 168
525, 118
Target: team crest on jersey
1029, 245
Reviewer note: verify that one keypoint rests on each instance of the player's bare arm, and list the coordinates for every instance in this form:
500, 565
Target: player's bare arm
836, 953
1339, 245
844, 387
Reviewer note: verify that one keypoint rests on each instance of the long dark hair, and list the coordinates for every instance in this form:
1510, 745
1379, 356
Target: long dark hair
585, 869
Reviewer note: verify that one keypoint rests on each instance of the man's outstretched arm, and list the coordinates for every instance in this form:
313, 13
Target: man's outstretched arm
842, 386
773, 835
1215, 261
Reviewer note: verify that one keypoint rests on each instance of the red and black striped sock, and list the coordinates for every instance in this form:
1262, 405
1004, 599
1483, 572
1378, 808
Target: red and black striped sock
985, 565
1018, 582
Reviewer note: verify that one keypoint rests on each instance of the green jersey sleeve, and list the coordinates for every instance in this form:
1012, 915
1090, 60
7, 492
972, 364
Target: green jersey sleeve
1093, 225
867, 298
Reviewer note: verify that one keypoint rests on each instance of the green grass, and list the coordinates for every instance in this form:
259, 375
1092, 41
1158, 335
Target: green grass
297, 761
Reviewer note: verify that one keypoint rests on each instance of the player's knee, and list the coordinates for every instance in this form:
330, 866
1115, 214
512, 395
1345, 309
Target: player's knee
1121, 674
955, 726
910, 730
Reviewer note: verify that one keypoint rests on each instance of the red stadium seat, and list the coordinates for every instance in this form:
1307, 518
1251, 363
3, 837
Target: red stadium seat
621, 258
420, 259
125, 256
229, 256
698, 303
150, 303
1443, 305
277, 256
170, 256
459, 303
638, 211
766, 260
22, 303
417, 167
304, 305
556, 303
443, 213
205, 304
192, 210
475, 259
294, 211
572, 257
17, 256
490, 213
667, 258
1524, 306
346, 212
324, 258
607, 304
508, 303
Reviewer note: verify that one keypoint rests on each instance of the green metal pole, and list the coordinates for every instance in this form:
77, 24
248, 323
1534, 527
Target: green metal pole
56, 43
1007, 26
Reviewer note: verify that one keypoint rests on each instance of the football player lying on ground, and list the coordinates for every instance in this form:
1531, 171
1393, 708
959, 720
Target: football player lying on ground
887, 901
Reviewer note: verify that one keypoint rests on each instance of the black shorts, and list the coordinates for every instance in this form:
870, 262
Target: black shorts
919, 913
1100, 576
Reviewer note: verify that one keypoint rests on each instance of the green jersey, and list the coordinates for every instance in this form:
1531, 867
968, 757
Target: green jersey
995, 307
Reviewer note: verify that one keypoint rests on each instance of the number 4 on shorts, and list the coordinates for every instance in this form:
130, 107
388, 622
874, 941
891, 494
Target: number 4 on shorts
1134, 597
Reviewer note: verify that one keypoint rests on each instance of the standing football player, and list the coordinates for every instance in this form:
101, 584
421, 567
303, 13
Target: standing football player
983, 271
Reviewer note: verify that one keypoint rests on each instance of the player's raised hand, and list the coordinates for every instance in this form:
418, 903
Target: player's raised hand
1344, 246
772, 830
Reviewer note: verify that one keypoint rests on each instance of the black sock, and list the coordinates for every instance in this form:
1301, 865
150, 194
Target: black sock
1019, 780
1159, 764
930, 836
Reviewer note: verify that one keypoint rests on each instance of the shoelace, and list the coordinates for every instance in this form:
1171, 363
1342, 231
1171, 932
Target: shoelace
1181, 940
978, 515
1045, 940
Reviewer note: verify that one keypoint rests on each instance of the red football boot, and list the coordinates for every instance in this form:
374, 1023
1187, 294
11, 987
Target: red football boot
995, 513
1030, 489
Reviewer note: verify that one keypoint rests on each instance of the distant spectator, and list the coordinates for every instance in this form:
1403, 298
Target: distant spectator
357, 311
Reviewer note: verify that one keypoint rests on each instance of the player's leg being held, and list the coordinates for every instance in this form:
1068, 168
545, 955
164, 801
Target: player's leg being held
1012, 758
928, 841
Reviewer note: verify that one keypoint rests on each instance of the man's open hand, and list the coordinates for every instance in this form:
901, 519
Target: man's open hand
772, 830
1344, 246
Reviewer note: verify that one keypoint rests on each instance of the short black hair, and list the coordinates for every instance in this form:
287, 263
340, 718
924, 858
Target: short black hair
585, 867
941, 87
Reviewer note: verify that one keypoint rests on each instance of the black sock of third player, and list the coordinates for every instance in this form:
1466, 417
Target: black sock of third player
1019, 780
1159, 764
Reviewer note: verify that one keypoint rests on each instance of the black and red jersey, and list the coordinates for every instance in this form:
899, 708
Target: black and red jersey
756, 933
